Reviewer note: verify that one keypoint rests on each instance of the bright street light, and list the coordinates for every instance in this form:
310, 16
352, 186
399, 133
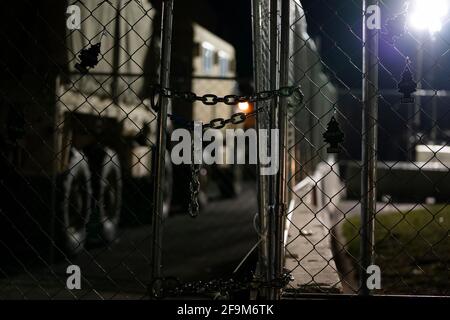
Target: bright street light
429, 14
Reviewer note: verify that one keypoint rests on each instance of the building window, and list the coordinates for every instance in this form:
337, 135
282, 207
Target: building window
224, 64
207, 57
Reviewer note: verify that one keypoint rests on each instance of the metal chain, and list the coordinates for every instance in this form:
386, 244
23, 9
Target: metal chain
194, 188
210, 99
217, 123
194, 184
219, 288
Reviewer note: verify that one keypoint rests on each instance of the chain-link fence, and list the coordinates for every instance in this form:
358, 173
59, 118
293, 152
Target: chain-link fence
366, 150
78, 138
83, 87
100, 199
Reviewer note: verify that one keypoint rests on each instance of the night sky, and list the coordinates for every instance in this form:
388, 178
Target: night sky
233, 23
337, 24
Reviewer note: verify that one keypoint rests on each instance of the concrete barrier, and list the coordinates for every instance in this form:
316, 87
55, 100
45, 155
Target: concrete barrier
402, 181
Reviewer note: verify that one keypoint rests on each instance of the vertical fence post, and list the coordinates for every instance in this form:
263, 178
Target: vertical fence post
280, 209
156, 246
274, 80
369, 144
262, 269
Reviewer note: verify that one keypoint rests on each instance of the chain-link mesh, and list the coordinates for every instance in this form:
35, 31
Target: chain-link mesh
77, 145
359, 205
322, 223
78, 148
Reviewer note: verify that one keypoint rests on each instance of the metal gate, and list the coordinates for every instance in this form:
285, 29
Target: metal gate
93, 95
356, 207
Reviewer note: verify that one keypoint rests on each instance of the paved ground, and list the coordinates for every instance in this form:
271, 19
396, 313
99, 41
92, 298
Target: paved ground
209, 246
309, 256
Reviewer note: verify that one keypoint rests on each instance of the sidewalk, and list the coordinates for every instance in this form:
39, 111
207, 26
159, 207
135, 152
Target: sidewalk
309, 255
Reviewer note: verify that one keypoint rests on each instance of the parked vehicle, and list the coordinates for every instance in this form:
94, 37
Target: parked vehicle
78, 142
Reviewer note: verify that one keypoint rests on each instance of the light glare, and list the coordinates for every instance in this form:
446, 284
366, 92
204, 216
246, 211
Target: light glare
429, 14
243, 106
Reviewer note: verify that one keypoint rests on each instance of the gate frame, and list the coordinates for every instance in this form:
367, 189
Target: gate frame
369, 132
272, 190
157, 216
